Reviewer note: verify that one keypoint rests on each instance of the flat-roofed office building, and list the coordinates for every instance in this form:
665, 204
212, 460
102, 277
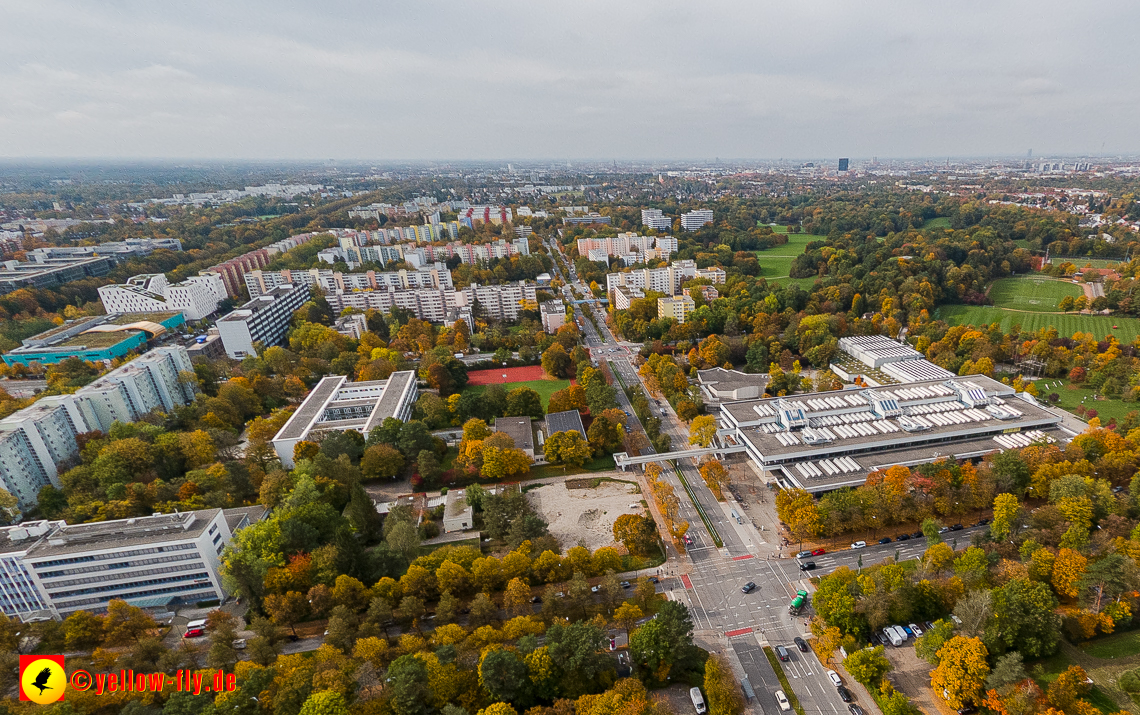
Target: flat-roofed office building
335, 404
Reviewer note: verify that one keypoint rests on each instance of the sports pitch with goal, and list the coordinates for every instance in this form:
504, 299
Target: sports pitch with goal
1037, 294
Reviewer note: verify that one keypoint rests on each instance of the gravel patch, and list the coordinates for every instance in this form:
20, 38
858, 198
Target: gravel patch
586, 516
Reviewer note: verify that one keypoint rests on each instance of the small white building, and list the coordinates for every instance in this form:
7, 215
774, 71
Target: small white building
196, 297
458, 514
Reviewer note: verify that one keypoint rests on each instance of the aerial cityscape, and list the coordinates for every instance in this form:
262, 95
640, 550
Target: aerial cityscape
813, 388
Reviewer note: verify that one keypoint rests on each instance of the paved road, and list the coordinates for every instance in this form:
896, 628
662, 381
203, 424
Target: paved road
720, 611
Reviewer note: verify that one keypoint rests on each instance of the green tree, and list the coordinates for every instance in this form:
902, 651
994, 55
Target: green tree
659, 644
381, 460
325, 702
721, 689
409, 681
81, 631
567, 448
1025, 619
556, 362
125, 624
868, 666
928, 645
1008, 670
504, 676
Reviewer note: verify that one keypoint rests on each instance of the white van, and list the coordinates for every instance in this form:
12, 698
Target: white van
893, 636
698, 700
736, 516
900, 633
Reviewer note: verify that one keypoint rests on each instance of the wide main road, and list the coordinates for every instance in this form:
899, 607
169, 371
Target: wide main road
711, 588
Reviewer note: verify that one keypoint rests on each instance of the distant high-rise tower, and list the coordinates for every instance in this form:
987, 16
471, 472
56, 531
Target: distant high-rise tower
843, 164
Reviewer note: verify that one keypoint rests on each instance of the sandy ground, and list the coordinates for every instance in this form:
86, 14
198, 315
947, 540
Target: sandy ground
586, 516
911, 675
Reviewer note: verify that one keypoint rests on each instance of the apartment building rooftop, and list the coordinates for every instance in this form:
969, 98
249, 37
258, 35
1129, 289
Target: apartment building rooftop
123, 533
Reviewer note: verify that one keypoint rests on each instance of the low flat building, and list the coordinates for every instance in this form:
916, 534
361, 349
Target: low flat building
570, 420
519, 429
828, 440
721, 385
335, 404
263, 320
20, 598
101, 338
51, 272
876, 360
553, 314
458, 515
207, 347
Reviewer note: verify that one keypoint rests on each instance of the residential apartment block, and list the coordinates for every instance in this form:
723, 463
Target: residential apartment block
553, 314
441, 305
435, 276
231, 271
666, 280
714, 274
335, 404
623, 296
677, 307
654, 218
196, 297
37, 440
693, 220
265, 320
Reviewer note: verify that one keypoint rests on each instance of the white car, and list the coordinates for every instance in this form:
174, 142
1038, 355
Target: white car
782, 701
859, 545
834, 678
915, 630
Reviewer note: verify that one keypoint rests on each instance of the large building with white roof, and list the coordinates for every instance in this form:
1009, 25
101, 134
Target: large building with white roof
335, 404
827, 440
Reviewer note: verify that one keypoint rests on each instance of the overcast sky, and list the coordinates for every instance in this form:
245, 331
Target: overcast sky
438, 80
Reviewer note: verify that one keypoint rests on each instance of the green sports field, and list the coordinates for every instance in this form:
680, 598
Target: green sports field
776, 263
1034, 293
940, 222
1066, 323
544, 388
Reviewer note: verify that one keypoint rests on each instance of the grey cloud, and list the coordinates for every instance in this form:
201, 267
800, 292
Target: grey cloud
585, 79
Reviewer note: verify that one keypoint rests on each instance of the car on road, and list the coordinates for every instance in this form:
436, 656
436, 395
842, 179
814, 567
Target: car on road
807, 566
782, 701
749, 587
885, 540
818, 552
917, 535
782, 653
956, 527
915, 630
688, 540
834, 678
855, 709
902, 537
803, 554
967, 710
625, 584
536, 599
801, 644
845, 694
859, 545
654, 579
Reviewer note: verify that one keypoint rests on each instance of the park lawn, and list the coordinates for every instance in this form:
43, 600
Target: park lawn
544, 388
1071, 396
1053, 666
1036, 293
604, 463
1119, 645
1065, 323
940, 222
776, 262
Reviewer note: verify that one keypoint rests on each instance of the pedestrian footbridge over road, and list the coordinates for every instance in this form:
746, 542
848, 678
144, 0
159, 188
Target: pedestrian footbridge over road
623, 460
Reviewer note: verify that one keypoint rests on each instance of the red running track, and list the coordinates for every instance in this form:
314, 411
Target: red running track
502, 375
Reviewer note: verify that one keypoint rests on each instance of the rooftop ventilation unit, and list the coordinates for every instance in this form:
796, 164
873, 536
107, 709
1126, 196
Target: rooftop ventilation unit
814, 437
789, 415
999, 413
882, 405
911, 425
968, 393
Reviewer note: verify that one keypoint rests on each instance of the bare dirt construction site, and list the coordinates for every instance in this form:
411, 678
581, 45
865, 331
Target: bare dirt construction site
579, 512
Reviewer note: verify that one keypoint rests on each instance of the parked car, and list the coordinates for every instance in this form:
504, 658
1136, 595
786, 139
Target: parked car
859, 545
595, 589
625, 584
967, 710
807, 566
803, 554
928, 626
855, 709
536, 599
956, 527
915, 630
902, 537
906, 629
845, 694
749, 587
818, 552
654, 579
239, 644
885, 540
801, 644
782, 701
834, 678
881, 639
782, 652
944, 529
917, 535
984, 522
698, 700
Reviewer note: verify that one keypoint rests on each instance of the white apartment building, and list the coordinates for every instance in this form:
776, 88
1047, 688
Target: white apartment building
623, 297
335, 404
37, 440
662, 280
615, 245
259, 282
553, 314
693, 220
654, 218
666, 245
264, 320
714, 274
677, 307
196, 297
430, 304
500, 302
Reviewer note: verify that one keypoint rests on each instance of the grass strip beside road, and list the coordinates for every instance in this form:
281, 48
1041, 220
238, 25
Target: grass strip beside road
700, 510
617, 376
775, 663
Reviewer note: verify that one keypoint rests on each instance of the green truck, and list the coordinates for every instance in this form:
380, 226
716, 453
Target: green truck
798, 603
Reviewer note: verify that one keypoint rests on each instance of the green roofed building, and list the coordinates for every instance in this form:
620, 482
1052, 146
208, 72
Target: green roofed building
102, 337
